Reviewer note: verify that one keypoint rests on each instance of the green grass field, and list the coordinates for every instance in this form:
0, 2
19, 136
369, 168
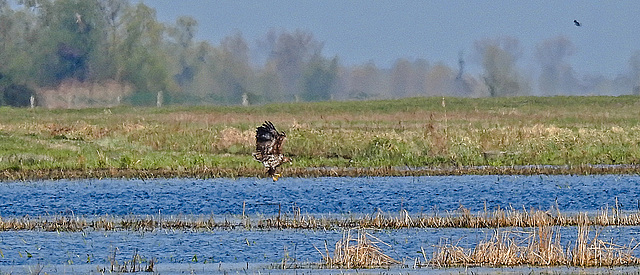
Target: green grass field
414, 132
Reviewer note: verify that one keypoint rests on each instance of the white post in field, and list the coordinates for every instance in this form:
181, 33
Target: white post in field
159, 99
32, 101
245, 99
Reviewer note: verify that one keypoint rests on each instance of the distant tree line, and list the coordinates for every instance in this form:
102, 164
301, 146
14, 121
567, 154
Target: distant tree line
44, 43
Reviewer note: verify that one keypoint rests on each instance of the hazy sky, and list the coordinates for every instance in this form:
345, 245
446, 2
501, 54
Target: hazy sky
382, 31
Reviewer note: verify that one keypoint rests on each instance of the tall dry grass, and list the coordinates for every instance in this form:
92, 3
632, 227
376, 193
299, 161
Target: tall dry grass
542, 247
361, 251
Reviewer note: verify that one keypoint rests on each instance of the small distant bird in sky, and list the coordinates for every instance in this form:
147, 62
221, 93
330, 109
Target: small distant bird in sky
577, 23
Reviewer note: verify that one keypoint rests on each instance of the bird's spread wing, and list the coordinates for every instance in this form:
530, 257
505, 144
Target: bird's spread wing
277, 146
268, 140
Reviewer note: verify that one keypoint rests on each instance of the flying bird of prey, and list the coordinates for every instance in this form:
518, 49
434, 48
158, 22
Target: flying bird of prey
577, 23
269, 148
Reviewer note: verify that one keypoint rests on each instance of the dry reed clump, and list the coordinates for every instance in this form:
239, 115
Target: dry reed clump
230, 136
549, 131
129, 127
359, 252
540, 248
77, 131
63, 223
597, 252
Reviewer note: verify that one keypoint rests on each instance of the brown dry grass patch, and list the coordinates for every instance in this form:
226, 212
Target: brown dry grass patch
360, 251
541, 247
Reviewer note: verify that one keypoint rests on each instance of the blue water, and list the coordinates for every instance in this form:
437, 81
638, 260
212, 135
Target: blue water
219, 250
316, 195
232, 251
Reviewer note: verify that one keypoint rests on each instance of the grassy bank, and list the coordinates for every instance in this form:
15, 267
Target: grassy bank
373, 137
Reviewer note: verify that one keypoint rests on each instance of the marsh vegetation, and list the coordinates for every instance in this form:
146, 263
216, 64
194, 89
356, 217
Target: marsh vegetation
419, 136
400, 137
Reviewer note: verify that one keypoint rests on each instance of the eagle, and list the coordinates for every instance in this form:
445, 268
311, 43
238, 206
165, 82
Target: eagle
269, 148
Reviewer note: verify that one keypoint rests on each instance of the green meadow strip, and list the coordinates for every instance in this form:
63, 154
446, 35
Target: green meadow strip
417, 136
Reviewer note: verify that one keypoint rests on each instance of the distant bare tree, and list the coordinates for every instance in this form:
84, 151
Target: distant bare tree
634, 64
184, 33
408, 78
319, 79
462, 87
365, 81
236, 72
440, 80
290, 53
401, 75
498, 58
557, 76
421, 68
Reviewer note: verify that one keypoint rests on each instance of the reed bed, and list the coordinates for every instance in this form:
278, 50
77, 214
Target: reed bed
535, 245
461, 218
361, 251
112, 223
542, 247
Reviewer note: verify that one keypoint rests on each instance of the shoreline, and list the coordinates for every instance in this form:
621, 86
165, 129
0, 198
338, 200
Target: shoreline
215, 172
